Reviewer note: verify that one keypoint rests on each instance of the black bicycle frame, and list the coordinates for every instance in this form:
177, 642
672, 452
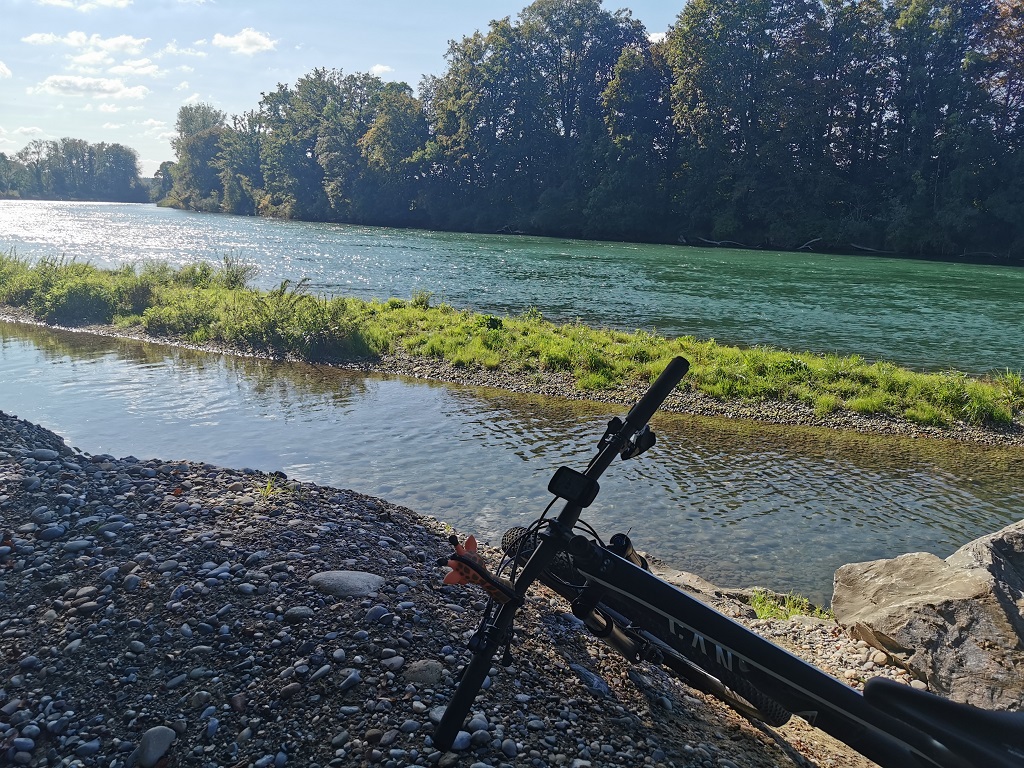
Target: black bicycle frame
803, 689
680, 620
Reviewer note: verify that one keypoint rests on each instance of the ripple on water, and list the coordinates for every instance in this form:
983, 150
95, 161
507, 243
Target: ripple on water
739, 504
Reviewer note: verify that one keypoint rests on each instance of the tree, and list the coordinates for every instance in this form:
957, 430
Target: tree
116, 173
630, 198
12, 176
194, 120
196, 180
34, 156
517, 120
292, 119
165, 181
239, 164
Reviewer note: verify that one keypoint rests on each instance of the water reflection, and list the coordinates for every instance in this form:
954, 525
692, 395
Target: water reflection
736, 502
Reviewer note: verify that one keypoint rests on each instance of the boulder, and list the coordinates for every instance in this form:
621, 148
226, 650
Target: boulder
956, 624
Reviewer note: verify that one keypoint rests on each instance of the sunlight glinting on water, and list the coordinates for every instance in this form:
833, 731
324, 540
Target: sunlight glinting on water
921, 314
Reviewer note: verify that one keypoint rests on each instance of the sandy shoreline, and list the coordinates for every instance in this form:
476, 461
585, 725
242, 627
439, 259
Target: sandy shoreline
560, 385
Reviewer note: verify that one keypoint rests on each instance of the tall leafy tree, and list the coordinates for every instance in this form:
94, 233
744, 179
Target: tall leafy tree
239, 164
116, 173
294, 119
35, 158
391, 148
632, 197
196, 180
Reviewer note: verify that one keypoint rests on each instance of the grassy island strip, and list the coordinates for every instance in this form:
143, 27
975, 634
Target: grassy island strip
202, 303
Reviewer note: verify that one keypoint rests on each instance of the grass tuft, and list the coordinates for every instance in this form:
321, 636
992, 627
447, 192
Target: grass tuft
771, 605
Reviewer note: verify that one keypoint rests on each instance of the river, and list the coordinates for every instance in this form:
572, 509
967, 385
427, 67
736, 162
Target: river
739, 504
925, 315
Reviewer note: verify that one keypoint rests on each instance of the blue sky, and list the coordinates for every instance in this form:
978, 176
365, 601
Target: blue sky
118, 70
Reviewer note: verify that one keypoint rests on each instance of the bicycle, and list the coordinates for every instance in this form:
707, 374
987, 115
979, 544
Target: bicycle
644, 618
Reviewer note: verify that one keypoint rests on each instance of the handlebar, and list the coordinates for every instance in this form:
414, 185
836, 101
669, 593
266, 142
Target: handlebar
642, 412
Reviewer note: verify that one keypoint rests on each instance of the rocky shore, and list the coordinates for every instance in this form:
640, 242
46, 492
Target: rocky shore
165, 613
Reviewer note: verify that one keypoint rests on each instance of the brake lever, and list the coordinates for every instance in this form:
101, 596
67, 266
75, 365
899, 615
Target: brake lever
614, 427
640, 442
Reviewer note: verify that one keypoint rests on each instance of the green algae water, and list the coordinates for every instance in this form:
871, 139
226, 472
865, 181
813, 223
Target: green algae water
924, 315
738, 503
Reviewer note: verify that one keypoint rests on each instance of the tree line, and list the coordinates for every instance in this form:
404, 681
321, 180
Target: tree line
73, 169
882, 125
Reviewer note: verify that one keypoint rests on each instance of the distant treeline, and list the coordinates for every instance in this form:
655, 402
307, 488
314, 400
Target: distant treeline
886, 125
73, 169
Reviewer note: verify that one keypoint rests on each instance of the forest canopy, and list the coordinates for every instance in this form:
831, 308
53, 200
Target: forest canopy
73, 169
888, 125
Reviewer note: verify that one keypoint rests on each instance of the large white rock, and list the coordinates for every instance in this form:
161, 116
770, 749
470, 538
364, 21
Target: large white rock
956, 623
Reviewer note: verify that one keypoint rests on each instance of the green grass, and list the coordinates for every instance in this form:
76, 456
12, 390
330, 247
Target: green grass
208, 303
770, 605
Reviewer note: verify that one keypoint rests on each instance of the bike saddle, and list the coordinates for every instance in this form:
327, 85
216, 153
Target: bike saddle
990, 738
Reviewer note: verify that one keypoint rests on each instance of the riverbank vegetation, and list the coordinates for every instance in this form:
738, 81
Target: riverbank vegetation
204, 304
892, 126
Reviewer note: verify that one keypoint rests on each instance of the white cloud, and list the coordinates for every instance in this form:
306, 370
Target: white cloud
97, 87
107, 107
191, 99
247, 42
87, 5
5, 71
29, 130
124, 44
136, 68
656, 37
154, 123
45, 38
91, 61
172, 49
381, 69
109, 126
182, 86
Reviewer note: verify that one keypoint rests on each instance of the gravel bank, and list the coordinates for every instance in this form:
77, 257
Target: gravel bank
561, 385
166, 613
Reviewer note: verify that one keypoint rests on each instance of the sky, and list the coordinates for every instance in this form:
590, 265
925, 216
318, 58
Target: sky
117, 71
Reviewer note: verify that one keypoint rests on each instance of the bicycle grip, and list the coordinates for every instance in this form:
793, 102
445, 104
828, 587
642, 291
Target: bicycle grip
641, 413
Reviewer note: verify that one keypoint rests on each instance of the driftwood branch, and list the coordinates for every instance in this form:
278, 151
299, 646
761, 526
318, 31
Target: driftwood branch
723, 242
808, 244
869, 250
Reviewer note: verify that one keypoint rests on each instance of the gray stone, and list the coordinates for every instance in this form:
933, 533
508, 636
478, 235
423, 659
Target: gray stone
298, 614
346, 583
154, 745
955, 623
425, 671
49, 534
